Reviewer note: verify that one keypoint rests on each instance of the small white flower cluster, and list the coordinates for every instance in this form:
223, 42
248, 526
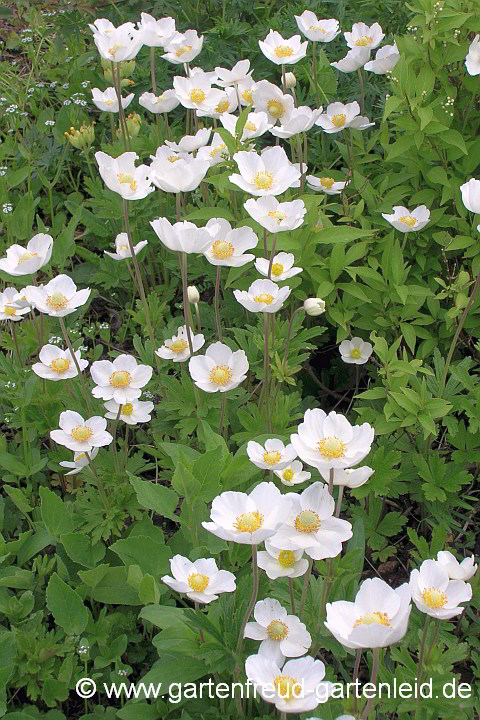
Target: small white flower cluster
448, 105
7, 208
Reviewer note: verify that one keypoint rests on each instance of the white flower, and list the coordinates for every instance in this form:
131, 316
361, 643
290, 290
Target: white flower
355, 351
119, 380
163, 103
300, 120
435, 594
173, 172
183, 48
378, 617
156, 33
273, 456
329, 441
120, 175
340, 116
245, 90
464, 570
268, 98
182, 236
314, 306
282, 266
25, 261
119, 44
9, 307
57, 364
107, 100
123, 249
215, 153
201, 580
276, 216
293, 474
385, 60
296, 688
310, 525
227, 102
349, 477
196, 92
290, 80
325, 184
228, 246
263, 296
353, 60
281, 635
282, 563
106, 27
406, 221
176, 348
315, 29
256, 125
270, 173
470, 196
240, 72
80, 460
193, 294
190, 143
364, 36
220, 369
472, 60
281, 51
133, 412
57, 298
81, 435
248, 519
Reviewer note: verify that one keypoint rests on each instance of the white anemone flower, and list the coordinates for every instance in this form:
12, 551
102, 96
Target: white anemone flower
248, 519
80, 460
240, 72
190, 143
120, 44
470, 196
329, 441
196, 92
10, 307
201, 580
267, 97
220, 369
315, 29
435, 594
57, 298
107, 100
183, 48
120, 380
228, 246
310, 525
464, 570
296, 688
355, 351
174, 172
274, 215
363, 36
227, 102
263, 296
405, 221
210, 75
156, 33
386, 58
377, 618
472, 60
81, 435
314, 306
293, 474
245, 90
182, 236
215, 153
270, 173
300, 120
273, 456
339, 116
57, 364
256, 125
120, 175
281, 635
133, 412
282, 266
349, 477
102, 25
353, 60
25, 261
176, 348
123, 248
163, 103
326, 184
283, 51
281, 563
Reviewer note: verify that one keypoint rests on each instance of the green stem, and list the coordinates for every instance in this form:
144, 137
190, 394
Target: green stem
289, 334
101, 488
217, 303
314, 73
339, 500
121, 112
292, 596
82, 379
272, 253
200, 634
373, 680
251, 605
153, 71
114, 442
266, 364
362, 90
15, 342
184, 273
306, 580
284, 80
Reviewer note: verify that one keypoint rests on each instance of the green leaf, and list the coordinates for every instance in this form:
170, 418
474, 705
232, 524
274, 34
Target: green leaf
12, 464
132, 551
81, 550
160, 499
66, 606
18, 498
56, 514
340, 234
207, 213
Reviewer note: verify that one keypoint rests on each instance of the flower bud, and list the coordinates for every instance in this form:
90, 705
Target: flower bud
193, 294
133, 122
290, 80
82, 138
314, 306
125, 68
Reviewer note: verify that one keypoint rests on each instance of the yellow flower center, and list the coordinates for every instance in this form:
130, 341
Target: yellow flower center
249, 125
220, 375
173, 158
80, 456
265, 298
287, 687
120, 378
198, 582
263, 180
123, 247
221, 250
60, 365
408, 220
57, 301
307, 521
272, 457
279, 216
182, 50
178, 345
339, 119
318, 28
372, 618
247, 95
283, 51
127, 179
248, 522
327, 182
277, 269
331, 447
159, 98
127, 409
355, 353
9, 310
26, 256
109, 102
275, 108
286, 558
218, 148
288, 474
222, 106
434, 598
82, 433
277, 630
364, 41
196, 95
112, 51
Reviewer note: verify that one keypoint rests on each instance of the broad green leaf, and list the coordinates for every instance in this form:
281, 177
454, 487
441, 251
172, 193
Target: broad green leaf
66, 606
160, 499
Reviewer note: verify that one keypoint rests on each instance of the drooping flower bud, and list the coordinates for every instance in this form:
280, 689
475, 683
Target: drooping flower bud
193, 294
82, 138
314, 306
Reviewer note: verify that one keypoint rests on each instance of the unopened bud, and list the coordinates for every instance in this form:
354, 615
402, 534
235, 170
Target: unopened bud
125, 68
314, 306
82, 138
193, 294
290, 80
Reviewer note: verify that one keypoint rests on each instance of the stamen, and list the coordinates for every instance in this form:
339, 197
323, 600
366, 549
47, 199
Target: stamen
198, 582
265, 298
272, 457
331, 447
248, 522
60, 365
277, 630
376, 617
120, 378
408, 220
196, 95
283, 51
307, 522
220, 375
82, 433
275, 108
57, 301
434, 598
339, 119
263, 180
286, 558
327, 182
221, 250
